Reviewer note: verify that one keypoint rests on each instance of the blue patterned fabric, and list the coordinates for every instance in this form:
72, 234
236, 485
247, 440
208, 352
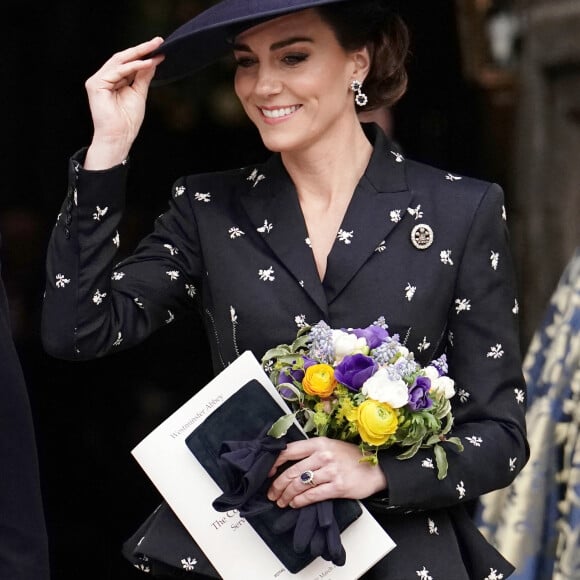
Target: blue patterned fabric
535, 522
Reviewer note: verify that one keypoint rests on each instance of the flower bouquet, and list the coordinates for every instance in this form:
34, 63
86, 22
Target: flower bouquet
364, 386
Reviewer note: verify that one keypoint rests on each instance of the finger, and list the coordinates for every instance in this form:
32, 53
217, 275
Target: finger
137, 52
126, 64
298, 494
291, 476
143, 79
116, 76
296, 451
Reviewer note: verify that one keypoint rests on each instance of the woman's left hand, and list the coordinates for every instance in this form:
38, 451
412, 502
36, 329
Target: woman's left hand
337, 473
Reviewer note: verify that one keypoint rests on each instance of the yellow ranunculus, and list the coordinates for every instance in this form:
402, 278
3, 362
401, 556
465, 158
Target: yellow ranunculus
376, 421
319, 380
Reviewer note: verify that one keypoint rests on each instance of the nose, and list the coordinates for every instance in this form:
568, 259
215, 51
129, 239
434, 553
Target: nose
267, 82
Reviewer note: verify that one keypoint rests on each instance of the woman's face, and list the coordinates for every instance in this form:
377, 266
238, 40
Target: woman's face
293, 80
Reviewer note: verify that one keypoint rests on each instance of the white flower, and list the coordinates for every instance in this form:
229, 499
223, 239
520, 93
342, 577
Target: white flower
172, 249
61, 281
463, 395
344, 236
345, 344
431, 373
424, 574
300, 321
188, 564
255, 177
382, 388
99, 213
444, 385
235, 232
495, 351
425, 344
266, 228
494, 575
445, 256
395, 216
203, 197
475, 441
98, 297
403, 351
416, 212
267, 275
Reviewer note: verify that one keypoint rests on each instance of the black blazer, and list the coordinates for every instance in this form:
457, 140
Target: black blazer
23, 541
235, 243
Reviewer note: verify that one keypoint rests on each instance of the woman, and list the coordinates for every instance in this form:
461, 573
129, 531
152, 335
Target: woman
336, 225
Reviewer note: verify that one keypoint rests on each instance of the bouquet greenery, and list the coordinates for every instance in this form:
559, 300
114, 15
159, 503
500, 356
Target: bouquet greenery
364, 386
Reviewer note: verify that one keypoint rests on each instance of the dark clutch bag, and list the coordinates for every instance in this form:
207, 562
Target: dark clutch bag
245, 417
163, 547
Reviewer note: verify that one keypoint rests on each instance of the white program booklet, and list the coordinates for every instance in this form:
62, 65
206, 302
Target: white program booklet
229, 541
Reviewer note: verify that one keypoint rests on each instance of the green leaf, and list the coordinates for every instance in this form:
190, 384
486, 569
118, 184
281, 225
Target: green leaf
410, 452
290, 387
309, 425
286, 360
455, 441
433, 440
276, 352
441, 461
281, 426
301, 343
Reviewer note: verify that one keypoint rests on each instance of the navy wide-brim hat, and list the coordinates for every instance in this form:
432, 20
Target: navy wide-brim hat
207, 37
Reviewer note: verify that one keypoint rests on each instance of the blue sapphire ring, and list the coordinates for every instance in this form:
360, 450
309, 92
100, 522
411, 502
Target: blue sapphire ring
307, 477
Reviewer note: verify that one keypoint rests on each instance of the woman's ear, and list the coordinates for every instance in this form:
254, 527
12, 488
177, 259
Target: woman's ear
362, 63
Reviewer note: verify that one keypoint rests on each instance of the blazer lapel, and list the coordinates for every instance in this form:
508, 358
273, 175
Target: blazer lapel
379, 203
272, 205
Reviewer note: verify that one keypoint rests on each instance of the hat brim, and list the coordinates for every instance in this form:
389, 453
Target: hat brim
207, 37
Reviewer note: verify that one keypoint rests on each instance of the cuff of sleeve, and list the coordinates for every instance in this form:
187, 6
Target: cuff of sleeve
105, 187
79, 157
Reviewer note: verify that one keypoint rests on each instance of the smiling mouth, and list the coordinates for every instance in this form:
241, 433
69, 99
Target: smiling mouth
279, 113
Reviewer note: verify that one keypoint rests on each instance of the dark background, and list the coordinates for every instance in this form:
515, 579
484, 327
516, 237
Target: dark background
89, 415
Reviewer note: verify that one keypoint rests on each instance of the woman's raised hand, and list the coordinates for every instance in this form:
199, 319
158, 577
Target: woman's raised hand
117, 95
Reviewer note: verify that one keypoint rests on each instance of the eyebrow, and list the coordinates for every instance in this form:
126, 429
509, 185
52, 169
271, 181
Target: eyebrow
276, 45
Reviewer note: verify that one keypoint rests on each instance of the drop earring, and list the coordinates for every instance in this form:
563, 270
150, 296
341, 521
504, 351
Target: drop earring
360, 98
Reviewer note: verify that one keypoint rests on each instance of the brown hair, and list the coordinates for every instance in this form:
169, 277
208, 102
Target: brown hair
370, 23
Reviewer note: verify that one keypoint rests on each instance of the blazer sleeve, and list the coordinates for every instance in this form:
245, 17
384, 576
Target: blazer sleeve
485, 361
93, 305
